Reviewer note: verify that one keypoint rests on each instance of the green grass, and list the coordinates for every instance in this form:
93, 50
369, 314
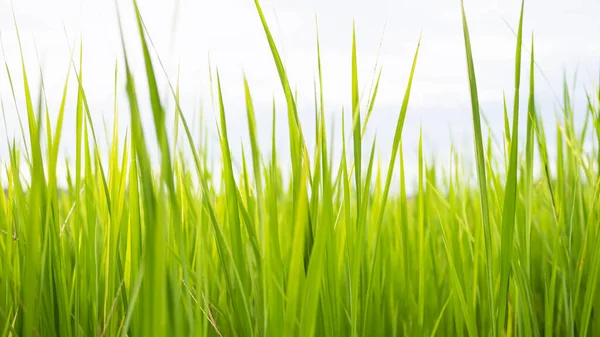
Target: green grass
129, 248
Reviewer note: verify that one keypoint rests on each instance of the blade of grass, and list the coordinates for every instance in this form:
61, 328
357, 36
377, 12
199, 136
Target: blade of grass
481, 175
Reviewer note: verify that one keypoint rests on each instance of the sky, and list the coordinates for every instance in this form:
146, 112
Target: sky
191, 37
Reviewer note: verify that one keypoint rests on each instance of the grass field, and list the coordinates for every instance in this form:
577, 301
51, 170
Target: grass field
130, 248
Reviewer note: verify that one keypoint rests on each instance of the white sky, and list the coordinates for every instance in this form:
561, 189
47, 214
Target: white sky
186, 32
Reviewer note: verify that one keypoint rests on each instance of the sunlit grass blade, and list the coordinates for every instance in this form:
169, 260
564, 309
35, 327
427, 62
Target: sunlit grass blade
481, 175
510, 194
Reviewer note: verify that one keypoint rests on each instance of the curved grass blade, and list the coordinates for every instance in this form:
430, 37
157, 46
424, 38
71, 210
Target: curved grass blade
481, 173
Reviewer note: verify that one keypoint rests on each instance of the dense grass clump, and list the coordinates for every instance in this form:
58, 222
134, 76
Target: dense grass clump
131, 248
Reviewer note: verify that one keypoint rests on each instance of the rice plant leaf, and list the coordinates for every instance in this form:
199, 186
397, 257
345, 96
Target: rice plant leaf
481, 173
510, 194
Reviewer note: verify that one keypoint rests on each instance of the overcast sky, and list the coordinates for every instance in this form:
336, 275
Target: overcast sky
187, 33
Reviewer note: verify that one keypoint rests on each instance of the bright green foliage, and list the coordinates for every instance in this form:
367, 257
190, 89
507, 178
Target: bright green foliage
128, 248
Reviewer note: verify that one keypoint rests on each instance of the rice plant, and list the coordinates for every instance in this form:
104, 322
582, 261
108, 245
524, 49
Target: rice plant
130, 247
